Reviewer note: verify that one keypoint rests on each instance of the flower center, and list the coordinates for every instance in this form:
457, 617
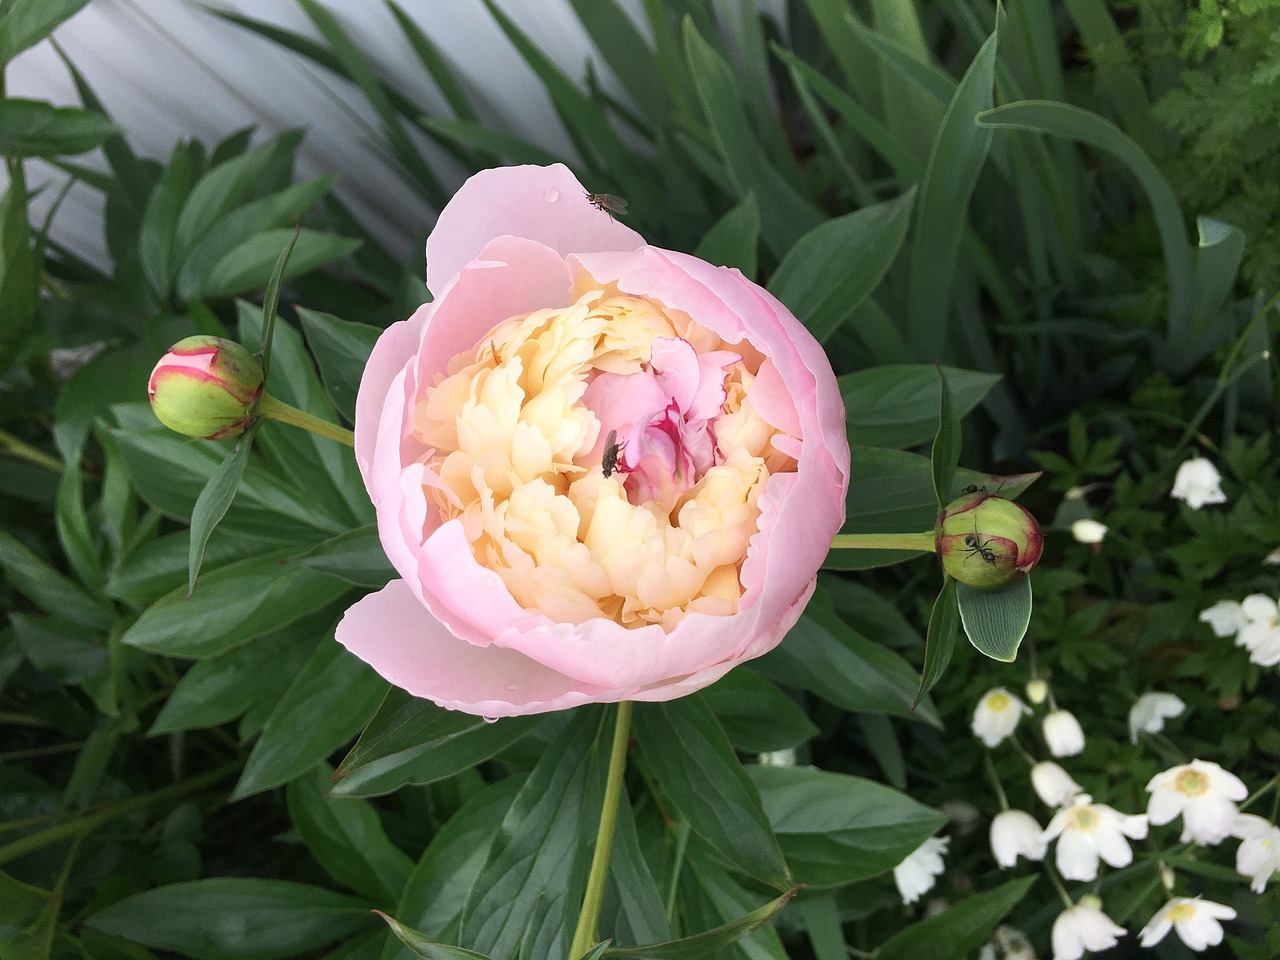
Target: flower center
998, 702
1084, 819
1191, 783
1181, 913
604, 459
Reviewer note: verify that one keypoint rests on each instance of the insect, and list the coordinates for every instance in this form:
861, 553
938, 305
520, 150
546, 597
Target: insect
979, 548
612, 448
973, 488
608, 203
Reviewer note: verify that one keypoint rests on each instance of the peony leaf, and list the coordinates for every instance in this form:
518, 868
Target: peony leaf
341, 349
896, 405
940, 644
945, 455
213, 503
996, 620
703, 944
27, 22
732, 240
959, 930
356, 556
34, 128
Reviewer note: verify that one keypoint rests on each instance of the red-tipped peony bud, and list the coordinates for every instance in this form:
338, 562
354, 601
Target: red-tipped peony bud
986, 541
206, 387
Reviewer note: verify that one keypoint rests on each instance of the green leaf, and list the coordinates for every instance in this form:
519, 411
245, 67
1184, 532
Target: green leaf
757, 716
252, 264
688, 754
324, 707
703, 944
414, 741
160, 220
940, 644
348, 838
945, 456
225, 918
235, 604
709, 895
959, 930
996, 620
732, 240
959, 152
43, 585
341, 349
19, 271
34, 128
785, 214
823, 654
638, 71
212, 504
837, 829
425, 948
468, 133
896, 405
68, 652
435, 63
633, 910
356, 556
526, 899
837, 264
1064, 120
24, 23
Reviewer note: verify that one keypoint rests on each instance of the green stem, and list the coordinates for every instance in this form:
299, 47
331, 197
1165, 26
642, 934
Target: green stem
584, 937
884, 541
20, 448
995, 780
1057, 885
83, 825
272, 409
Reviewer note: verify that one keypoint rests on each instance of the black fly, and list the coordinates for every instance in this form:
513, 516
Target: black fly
608, 203
612, 449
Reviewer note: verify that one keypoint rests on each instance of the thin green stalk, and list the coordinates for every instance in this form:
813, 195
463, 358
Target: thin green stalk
20, 448
272, 409
86, 824
584, 936
995, 780
1057, 885
884, 541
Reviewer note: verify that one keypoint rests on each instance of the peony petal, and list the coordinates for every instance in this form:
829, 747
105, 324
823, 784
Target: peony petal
392, 352
544, 204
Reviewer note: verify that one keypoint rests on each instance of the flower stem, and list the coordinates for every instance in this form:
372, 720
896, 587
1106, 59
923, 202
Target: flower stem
995, 780
1057, 885
20, 448
884, 541
584, 936
272, 409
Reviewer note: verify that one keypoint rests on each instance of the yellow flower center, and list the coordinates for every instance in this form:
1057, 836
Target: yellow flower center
520, 445
998, 702
1181, 913
1191, 783
1084, 819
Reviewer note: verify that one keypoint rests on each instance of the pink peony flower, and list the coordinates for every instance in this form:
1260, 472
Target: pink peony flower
604, 471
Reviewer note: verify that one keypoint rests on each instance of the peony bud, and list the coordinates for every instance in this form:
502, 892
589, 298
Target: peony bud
987, 542
206, 387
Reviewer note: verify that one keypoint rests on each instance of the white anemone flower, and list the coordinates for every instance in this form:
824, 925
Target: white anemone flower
1198, 483
1084, 927
1258, 856
997, 716
1087, 831
1015, 833
1053, 785
1063, 734
916, 875
1205, 795
1088, 531
1260, 634
1225, 618
1150, 712
1197, 922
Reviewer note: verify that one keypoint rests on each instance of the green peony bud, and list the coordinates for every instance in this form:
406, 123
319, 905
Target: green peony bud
986, 541
206, 387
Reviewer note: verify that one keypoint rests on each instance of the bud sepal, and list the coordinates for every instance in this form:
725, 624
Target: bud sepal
207, 387
987, 542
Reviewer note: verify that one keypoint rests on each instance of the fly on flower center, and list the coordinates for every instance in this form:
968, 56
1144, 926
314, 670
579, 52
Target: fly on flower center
605, 459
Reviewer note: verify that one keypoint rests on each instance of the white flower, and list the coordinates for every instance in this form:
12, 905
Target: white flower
1225, 618
1084, 927
997, 715
1087, 831
778, 758
1151, 711
1198, 482
1258, 856
1088, 531
1015, 833
1260, 634
1008, 943
1052, 784
1037, 690
1063, 734
916, 875
1205, 795
1195, 920
1273, 557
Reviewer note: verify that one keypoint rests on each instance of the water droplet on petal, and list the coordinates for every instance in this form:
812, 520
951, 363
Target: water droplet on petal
492, 582
511, 687
489, 719
551, 194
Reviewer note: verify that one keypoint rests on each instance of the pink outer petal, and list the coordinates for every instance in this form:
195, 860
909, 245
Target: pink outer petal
546, 204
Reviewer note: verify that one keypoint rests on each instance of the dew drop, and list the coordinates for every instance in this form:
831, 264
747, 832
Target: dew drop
511, 687
551, 194
489, 719
492, 582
